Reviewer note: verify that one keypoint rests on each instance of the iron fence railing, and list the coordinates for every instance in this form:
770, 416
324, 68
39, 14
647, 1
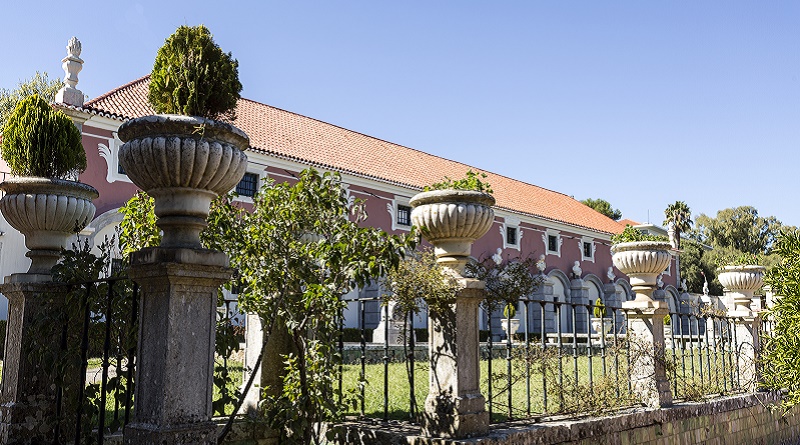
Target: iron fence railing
563, 360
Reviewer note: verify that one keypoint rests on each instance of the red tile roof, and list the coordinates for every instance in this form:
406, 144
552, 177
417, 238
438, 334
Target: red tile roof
299, 138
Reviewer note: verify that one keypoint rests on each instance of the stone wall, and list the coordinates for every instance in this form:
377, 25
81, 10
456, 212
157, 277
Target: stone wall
744, 419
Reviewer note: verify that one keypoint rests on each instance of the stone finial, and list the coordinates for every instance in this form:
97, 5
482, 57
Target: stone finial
660, 281
610, 274
72, 65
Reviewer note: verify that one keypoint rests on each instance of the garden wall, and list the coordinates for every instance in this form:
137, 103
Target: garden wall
745, 419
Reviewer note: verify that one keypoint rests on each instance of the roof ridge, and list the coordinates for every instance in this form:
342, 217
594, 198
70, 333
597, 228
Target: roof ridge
115, 90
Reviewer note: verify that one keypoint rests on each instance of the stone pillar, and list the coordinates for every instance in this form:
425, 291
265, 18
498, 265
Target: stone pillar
748, 347
579, 294
544, 292
174, 363
647, 355
455, 407
28, 397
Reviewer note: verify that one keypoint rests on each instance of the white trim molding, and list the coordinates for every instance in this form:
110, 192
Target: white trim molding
581, 245
393, 208
559, 240
511, 222
110, 153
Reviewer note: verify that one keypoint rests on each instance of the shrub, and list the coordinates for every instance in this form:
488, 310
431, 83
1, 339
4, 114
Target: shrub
509, 311
41, 141
632, 234
599, 308
194, 77
471, 182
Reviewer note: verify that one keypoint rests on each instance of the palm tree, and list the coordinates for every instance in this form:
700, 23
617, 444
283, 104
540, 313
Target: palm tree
679, 217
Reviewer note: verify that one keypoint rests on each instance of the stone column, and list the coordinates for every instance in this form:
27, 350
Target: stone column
455, 407
747, 326
544, 292
578, 292
647, 354
174, 364
28, 397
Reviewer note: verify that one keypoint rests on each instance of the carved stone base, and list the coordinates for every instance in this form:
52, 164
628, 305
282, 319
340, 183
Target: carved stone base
461, 417
195, 433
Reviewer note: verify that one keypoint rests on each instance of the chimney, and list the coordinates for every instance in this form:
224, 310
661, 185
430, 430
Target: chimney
72, 65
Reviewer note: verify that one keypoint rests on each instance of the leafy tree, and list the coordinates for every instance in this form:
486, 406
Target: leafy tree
782, 346
604, 207
297, 252
679, 217
39, 84
697, 265
739, 228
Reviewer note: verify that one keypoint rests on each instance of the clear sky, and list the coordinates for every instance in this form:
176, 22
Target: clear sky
641, 103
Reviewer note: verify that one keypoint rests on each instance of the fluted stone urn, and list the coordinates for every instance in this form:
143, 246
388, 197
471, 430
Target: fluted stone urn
742, 282
452, 220
183, 162
47, 212
642, 262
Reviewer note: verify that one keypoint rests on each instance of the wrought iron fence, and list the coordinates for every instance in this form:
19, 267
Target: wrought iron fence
563, 360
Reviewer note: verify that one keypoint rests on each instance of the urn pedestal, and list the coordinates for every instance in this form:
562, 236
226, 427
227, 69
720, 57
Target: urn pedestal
742, 282
452, 220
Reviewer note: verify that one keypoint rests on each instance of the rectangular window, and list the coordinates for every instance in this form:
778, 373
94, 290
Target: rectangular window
511, 235
587, 250
116, 266
552, 243
403, 215
248, 185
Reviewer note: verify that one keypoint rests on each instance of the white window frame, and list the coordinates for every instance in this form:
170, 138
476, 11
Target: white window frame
511, 222
590, 241
391, 207
559, 240
668, 270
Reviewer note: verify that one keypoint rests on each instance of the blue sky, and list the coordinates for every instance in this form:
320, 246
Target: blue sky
639, 103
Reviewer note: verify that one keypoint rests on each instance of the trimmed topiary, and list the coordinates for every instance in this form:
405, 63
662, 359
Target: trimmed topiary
194, 77
39, 140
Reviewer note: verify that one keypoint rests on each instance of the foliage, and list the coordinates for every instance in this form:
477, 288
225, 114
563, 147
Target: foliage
599, 308
604, 207
39, 140
509, 310
739, 228
679, 217
300, 249
194, 77
782, 344
697, 265
667, 320
138, 227
39, 84
506, 281
417, 279
632, 234
472, 181
739, 259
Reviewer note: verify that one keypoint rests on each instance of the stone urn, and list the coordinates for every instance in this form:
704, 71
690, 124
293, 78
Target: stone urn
642, 262
47, 212
742, 282
602, 325
183, 162
510, 326
452, 220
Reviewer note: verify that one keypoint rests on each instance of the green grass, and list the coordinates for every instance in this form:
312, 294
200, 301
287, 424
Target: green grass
565, 395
